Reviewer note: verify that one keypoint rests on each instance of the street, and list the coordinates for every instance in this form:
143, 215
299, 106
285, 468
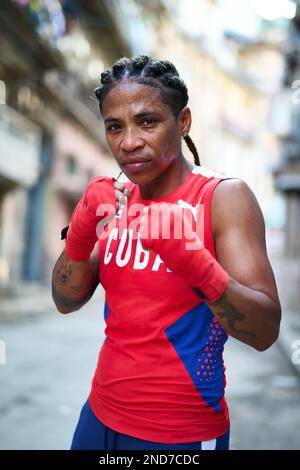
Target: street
50, 362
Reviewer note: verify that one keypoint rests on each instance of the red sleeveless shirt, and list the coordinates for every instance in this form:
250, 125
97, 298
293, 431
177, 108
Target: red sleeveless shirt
160, 374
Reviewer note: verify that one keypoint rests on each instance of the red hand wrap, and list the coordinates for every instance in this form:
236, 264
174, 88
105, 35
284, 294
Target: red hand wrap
196, 266
82, 234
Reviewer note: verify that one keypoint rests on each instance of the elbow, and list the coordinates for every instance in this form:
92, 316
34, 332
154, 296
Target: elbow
69, 307
274, 331
265, 345
65, 304
63, 310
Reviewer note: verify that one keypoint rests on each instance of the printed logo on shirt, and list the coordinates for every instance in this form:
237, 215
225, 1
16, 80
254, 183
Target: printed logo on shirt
119, 248
186, 205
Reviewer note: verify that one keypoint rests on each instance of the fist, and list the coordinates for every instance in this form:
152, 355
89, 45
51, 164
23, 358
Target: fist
168, 230
168, 224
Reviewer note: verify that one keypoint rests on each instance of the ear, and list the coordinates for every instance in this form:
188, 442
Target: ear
185, 120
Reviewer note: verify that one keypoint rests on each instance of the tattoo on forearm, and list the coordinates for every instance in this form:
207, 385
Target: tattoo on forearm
77, 280
64, 273
232, 315
66, 301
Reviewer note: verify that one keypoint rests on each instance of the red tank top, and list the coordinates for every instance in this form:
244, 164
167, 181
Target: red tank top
160, 374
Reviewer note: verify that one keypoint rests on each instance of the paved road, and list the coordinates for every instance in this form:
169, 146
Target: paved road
50, 364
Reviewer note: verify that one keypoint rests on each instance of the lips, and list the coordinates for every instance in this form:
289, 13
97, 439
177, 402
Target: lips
130, 160
136, 163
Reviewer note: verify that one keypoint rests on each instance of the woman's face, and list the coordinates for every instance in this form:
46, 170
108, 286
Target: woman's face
141, 131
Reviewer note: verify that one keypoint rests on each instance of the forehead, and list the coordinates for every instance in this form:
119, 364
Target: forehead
133, 97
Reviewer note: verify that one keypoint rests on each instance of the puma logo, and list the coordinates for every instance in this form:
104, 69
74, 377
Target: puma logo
186, 205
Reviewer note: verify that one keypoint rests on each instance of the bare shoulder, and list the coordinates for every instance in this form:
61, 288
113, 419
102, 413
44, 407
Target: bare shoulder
239, 236
234, 204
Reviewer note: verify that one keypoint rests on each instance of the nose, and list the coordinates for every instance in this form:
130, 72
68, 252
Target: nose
131, 141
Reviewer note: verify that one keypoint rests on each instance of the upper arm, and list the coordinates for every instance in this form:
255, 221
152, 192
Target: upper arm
239, 233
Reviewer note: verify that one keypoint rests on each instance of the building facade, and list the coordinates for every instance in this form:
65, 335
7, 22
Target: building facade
52, 140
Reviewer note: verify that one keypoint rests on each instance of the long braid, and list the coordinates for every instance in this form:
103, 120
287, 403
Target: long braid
160, 74
193, 149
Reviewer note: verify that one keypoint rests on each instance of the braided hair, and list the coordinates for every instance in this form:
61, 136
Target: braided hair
160, 74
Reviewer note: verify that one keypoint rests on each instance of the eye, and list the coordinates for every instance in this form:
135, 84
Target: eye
113, 127
148, 122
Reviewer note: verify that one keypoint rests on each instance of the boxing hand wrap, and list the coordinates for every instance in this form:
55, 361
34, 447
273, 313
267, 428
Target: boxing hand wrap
99, 197
196, 266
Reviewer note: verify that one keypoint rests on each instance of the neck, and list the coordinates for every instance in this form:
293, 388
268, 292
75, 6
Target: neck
168, 181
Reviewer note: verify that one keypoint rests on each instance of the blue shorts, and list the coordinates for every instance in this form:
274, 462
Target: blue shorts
92, 434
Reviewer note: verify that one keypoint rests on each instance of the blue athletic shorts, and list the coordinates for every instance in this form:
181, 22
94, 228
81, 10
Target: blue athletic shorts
92, 434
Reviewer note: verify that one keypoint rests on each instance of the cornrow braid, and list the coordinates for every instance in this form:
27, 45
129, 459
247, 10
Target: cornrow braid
161, 74
192, 148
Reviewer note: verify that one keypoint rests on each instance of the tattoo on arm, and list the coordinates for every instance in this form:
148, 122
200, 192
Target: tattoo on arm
232, 315
229, 312
82, 285
64, 273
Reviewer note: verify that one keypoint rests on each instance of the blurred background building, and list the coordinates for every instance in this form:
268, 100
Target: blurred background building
240, 60
52, 54
287, 173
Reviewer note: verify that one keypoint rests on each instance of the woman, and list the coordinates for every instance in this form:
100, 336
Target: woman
160, 378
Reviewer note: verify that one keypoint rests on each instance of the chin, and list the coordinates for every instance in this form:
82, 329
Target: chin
139, 178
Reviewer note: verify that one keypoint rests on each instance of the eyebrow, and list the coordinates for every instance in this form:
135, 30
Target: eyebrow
138, 116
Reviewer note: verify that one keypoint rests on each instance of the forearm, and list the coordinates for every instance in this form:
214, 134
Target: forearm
74, 282
248, 315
